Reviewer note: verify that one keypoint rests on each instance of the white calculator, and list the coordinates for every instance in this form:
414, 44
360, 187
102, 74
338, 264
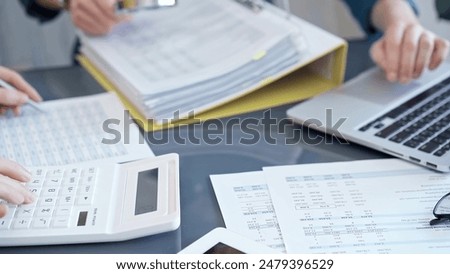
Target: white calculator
96, 203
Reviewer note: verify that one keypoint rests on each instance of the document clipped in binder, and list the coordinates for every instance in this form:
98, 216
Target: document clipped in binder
207, 59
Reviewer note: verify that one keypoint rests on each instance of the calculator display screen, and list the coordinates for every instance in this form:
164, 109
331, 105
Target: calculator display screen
147, 192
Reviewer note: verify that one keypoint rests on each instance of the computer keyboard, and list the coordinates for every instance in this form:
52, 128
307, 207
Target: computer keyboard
58, 192
422, 122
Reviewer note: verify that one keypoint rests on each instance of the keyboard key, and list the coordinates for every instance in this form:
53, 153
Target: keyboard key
429, 147
412, 144
445, 134
440, 152
389, 130
427, 133
400, 137
439, 140
419, 138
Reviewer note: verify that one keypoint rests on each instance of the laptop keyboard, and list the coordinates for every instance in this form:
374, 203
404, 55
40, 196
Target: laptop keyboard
422, 122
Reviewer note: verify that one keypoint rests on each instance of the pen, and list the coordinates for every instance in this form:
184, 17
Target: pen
30, 102
135, 5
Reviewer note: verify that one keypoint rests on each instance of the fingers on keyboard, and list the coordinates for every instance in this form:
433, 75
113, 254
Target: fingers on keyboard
14, 192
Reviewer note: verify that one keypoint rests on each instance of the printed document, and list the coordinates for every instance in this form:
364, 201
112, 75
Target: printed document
375, 206
247, 207
195, 56
72, 131
158, 52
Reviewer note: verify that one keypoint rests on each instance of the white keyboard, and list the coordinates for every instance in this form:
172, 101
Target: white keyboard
58, 193
96, 202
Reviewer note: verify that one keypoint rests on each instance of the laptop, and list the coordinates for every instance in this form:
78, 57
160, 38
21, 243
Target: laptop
411, 122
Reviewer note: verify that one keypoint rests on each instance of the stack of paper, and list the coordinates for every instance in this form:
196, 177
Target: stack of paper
374, 206
176, 62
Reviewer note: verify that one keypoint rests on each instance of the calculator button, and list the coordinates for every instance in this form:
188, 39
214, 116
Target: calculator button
24, 212
66, 200
60, 222
71, 181
55, 173
43, 222
52, 182
86, 190
35, 190
49, 191
37, 173
85, 200
43, 212
47, 201
37, 183
63, 211
5, 224
88, 180
22, 223
67, 190
73, 172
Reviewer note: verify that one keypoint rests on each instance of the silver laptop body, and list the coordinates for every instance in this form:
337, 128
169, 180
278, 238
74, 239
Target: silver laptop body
411, 121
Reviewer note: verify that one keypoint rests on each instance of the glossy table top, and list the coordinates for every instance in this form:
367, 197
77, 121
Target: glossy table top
226, 151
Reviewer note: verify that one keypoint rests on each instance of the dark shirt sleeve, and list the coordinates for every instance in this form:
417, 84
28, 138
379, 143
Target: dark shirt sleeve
35, 10
362, 10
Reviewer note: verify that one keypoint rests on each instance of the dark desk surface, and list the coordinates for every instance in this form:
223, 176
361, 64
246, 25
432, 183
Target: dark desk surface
200, 212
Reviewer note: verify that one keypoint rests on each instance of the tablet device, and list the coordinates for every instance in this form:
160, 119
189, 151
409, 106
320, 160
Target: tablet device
224, 241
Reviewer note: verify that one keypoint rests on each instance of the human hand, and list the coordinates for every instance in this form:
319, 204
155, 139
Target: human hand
95, 17
12, 190
405, 51
13, 99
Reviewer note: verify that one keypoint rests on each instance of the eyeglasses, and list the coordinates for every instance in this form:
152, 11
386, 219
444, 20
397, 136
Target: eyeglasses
441, 210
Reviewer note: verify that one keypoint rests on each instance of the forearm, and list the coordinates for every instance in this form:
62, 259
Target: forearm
385, 13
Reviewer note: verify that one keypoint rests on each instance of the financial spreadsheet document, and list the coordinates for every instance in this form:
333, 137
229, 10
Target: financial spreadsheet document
72, 131
374, 206
247, 208
162, 50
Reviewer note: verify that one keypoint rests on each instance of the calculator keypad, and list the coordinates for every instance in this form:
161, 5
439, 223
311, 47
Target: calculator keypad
58, 192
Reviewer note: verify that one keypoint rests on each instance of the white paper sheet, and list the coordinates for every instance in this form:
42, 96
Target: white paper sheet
247, 208
71, 131
375, 206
